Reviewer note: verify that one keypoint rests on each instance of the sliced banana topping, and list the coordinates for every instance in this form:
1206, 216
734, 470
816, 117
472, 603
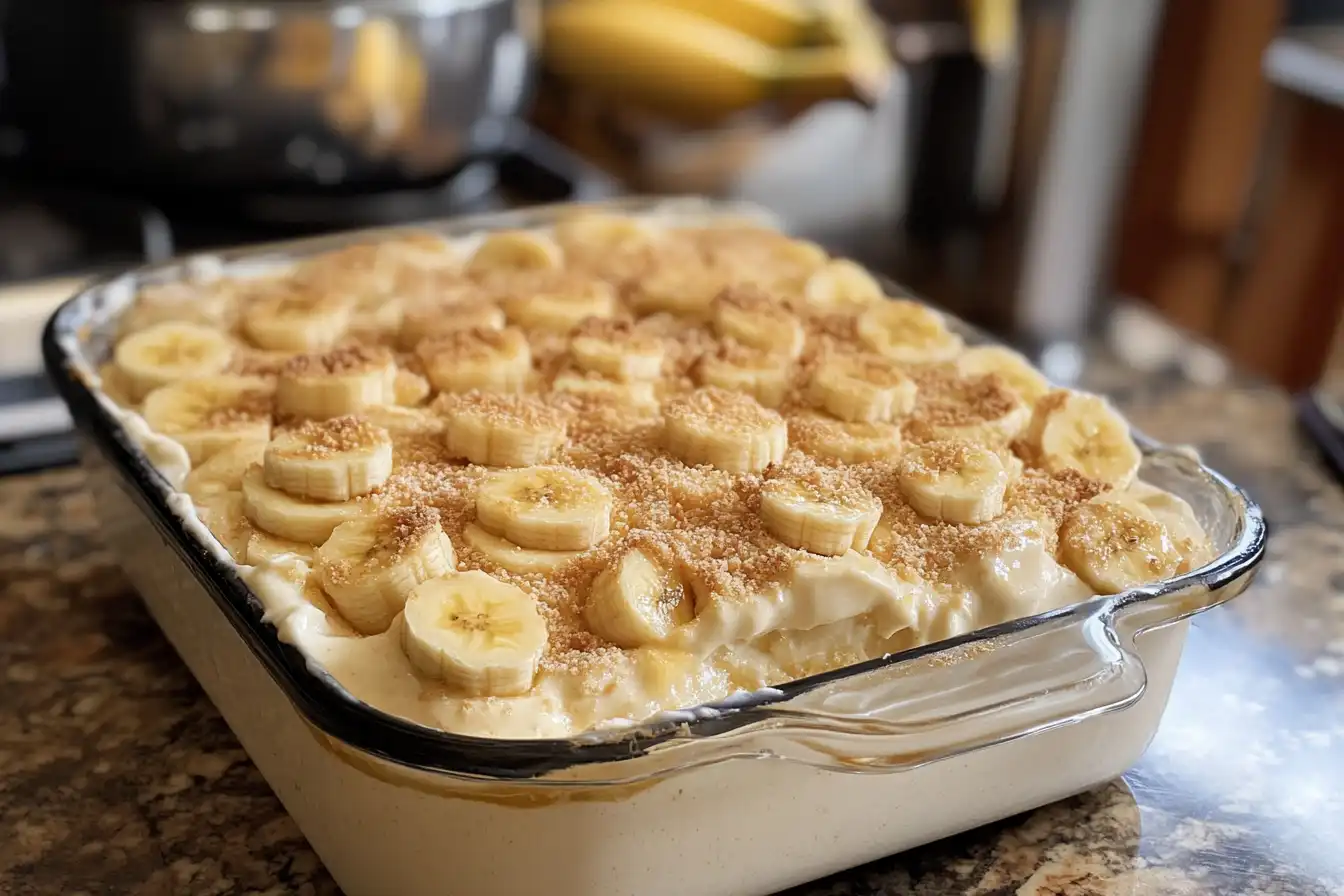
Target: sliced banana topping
508, 556
476, 634
826, 438
765, 376
208, 414
955, 481
428, 320
368, 567
908, 332
863, 388
751, 317
1015, 370
409, 389
488, 360
222, 513
502, 430
329, 460
1117, 544
210, 304
168, 352
638, 600
310, 522
263, 547
376, 269
515, 250
977, 408
223, 471
819, 511
559, 302
293, 317
340, 382
636, 393
841, 285
616, 349
1077, 431
685, 290
1178, 516
762, 256
589, 231
724, 429
545, 508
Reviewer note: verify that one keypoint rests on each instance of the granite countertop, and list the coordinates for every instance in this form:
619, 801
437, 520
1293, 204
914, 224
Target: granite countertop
118, 776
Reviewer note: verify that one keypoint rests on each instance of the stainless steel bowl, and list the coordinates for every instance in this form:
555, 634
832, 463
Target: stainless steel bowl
267, 95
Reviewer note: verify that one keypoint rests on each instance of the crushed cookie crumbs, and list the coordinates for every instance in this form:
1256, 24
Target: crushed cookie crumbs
703, 522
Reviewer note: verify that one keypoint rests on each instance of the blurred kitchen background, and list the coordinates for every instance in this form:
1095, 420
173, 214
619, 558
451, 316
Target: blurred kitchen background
1043, 167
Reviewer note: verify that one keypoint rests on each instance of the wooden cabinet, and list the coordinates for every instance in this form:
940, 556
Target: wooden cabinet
1234, 218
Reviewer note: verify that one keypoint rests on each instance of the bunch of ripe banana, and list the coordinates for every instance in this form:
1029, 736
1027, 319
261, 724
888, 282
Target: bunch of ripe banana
703, 60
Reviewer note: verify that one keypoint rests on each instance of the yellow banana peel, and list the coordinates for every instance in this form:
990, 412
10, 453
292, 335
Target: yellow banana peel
678, 62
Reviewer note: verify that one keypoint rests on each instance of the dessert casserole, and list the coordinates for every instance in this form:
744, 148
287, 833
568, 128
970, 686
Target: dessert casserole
537, 482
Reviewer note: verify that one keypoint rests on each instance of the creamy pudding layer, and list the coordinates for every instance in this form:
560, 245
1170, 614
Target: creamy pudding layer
537, 483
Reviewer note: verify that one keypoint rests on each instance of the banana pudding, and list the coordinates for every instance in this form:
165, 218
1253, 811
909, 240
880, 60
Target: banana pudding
536, 483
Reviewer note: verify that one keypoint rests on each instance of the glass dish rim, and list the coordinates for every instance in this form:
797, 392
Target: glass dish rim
332, 710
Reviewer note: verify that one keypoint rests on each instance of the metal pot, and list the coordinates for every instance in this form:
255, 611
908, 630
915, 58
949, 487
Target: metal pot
265, 96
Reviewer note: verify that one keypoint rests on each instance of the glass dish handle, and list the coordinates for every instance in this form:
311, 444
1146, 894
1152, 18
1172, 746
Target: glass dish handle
1076, 665
1040, 674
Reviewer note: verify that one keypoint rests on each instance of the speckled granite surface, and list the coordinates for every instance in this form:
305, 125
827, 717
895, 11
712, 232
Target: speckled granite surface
118, 776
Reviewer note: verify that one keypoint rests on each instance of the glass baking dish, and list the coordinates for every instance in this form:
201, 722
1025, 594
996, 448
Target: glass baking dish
746, 796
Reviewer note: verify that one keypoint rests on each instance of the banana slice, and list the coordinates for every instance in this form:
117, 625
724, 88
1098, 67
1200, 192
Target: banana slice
222, 513
340, 382
1117, 544
224, 470
404, 422
1078, 431
512, 558
978, 409
590, 231
1178, 516
476, 634
545, 508
502, 430
616, 349
683, 289
764, 376
168, 352
266, 548
468, 307
374, 271
754, 319
819, 512
1015, 370
331, 460
292, 317
211, 304
637, 601
310, 522
842, 285
557, 304
515, 250
636, 393
762, 256
409, 389
724, 429
208, 414
863, 388
487, 360
826, 438
368, 567
957, 482
908, 332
